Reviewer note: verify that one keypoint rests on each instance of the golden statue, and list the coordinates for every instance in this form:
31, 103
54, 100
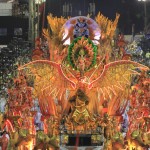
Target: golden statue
80, 114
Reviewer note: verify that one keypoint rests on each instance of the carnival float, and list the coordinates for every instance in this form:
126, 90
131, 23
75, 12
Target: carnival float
88, 87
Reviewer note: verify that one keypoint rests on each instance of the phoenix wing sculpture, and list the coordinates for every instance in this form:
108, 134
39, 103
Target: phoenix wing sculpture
114, 83
50, 83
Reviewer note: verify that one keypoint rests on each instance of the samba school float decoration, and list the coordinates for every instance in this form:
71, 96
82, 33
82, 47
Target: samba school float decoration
84, 86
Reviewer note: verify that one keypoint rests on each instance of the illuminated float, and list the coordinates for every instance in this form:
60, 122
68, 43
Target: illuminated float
84, 90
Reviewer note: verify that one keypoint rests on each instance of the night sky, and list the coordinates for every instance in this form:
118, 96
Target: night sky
131, 11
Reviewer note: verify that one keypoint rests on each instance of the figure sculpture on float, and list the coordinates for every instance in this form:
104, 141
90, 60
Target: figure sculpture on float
81, 62
81, 28
79, 102
79, 112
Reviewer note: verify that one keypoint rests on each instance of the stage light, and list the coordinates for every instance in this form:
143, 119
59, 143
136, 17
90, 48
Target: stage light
39, 1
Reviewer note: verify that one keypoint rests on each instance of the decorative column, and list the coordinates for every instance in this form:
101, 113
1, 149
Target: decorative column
31, 30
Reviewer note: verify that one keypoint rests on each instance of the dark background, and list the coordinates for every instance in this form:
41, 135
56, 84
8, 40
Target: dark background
131, 11
10, 23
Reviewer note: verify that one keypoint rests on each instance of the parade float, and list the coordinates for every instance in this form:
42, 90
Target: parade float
88, 91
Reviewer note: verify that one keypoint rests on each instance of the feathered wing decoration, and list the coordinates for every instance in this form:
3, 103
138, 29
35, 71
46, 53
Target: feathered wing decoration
50, 84
108, 27
54, 34
113, 84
